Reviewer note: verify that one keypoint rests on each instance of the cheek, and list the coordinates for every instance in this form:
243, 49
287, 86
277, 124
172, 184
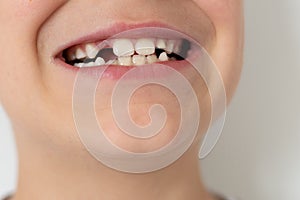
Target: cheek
221, 10
227, 18
19, 70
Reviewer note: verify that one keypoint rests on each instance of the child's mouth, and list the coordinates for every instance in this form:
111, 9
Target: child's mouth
126, 52
133, 48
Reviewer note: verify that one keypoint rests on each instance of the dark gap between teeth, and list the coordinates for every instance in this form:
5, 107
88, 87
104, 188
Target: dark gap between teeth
106, 53
185, 47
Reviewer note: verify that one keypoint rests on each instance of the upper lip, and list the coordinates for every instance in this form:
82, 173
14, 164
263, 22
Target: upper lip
103, 34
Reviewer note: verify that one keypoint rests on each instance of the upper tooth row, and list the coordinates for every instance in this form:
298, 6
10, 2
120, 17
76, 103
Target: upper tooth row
125, 47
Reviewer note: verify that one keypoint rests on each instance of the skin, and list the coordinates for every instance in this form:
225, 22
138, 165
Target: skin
37, 95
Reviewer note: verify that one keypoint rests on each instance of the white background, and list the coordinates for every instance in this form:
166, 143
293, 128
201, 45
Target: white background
257, 156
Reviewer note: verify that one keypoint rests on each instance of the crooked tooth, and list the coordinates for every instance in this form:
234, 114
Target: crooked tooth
91, 50
80, 54
163, 56
125, 60
139, 60
151, 59
145, 46
99, 61
161, 44
170, 46
123, 47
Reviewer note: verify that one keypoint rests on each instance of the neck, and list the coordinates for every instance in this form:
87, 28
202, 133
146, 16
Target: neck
51, 174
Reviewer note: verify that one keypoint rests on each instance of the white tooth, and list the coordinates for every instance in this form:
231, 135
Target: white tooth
145, 46
176, 50
139, 60
91, 50
161, 44
78, 64
163, 56
178, 47
80, 53
170, 46
123, 47
112, 62
125, 60
151, 59
99, 61
90, 64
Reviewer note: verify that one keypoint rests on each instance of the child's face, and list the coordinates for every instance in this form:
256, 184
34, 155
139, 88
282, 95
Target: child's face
37, 92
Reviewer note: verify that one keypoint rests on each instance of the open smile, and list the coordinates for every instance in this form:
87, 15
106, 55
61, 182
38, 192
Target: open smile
126, 52
127, 47
123, 47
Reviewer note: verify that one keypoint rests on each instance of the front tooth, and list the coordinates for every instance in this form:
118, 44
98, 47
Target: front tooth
151, 59
80, 53
145, 47
123, 47
99, 61
139, 60
163, 56
125, 60
91, 50
161, 44
170, 46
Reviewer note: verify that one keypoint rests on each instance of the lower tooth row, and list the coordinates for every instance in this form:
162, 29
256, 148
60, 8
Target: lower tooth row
127, 60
